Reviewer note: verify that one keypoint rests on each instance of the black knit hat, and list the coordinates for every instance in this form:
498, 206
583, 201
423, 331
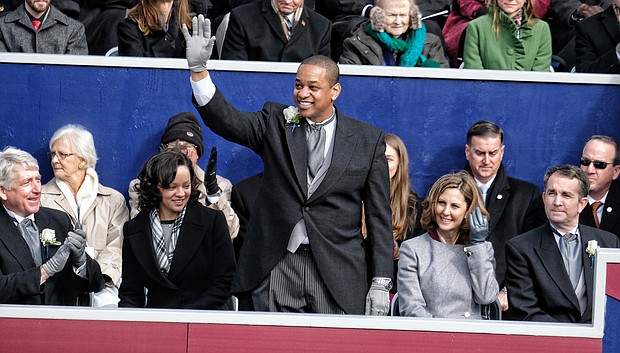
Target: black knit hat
184, 126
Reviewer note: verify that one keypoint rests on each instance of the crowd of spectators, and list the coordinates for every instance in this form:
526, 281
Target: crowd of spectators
479, 238
526, 35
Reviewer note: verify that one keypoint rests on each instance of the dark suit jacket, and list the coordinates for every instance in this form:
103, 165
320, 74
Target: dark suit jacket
242, 200
358, 173
596, 40
515, 207
539, 288
20, 278
254, 33
611, 211
201, 271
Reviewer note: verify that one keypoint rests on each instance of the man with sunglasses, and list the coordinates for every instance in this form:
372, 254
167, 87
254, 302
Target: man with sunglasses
601, 162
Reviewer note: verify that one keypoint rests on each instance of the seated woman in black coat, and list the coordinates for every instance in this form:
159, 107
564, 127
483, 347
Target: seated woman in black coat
153, 29
175, 248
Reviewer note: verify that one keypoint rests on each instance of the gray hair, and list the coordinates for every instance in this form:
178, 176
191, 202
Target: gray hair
80, 140
10, 158
571, 172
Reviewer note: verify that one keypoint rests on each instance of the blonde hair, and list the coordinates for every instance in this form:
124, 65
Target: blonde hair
463, 182
529, 14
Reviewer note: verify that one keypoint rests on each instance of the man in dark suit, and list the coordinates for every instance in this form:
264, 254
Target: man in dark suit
550, 270
562, 17
601, 162
41, 260
514, 205
304, 250
242, 200
597, 42
276, 30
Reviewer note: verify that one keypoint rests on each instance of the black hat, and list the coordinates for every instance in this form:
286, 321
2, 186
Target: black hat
184, 126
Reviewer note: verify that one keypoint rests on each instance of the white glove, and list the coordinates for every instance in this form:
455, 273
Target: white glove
377, 300
199, 44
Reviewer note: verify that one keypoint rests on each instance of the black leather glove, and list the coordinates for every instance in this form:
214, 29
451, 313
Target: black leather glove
77, 244
478, 227
211, 174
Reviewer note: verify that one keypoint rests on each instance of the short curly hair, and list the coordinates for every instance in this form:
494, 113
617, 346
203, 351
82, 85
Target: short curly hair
160, 170
377, 15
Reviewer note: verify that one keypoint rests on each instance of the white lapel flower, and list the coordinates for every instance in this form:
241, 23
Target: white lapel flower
292, 116
592, 246
48, 237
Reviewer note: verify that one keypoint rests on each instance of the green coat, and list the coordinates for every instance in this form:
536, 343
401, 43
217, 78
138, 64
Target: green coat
530, 52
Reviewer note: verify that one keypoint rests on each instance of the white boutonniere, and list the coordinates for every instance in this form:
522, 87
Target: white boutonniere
48, 237
591, 251
292, 116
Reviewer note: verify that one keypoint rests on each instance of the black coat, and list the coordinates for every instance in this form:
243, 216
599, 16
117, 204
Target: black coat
595, 43
255, 33
242, 200
161, 44
515, 207
611, 211
539, 288
202, 268
20, 278
357, 174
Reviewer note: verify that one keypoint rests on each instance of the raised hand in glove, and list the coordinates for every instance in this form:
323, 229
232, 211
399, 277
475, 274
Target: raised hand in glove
199, 44
478, 227
211, 174
58, 261
378, 300
77, 243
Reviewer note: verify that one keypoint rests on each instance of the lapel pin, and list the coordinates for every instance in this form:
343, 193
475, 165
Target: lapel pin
499, 197
303, 23
609, 209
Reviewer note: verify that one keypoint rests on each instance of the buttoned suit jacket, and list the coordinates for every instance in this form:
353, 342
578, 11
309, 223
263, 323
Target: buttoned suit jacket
610, 221
539, 288
201, 271
595, 43
19, 276
515, 207
358, 173
255, 33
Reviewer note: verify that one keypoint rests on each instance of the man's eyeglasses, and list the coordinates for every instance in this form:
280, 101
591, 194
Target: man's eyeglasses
60, 155
597, 164
183, 148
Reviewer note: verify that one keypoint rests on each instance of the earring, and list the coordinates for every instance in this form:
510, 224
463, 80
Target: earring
82, 165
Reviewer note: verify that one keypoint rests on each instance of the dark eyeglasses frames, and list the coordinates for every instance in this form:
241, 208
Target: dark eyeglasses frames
597, 164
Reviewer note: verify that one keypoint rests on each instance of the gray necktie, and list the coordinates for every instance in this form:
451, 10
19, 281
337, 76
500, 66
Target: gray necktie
569, 248
30, 233
315, 141
484, 189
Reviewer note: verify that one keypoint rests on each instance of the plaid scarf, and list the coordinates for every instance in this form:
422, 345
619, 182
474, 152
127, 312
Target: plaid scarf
165, 252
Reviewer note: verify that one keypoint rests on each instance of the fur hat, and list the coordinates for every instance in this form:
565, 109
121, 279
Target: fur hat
377, 17
184, 126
